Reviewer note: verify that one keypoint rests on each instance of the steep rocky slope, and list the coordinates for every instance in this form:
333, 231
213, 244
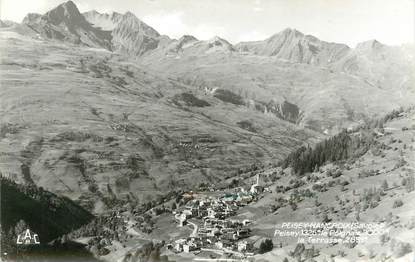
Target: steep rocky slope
66, 23
123, 33
133, 37
294, 46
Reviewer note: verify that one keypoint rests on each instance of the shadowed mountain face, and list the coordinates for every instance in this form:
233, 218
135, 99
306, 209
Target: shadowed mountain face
66, 23
44, 213
123, 33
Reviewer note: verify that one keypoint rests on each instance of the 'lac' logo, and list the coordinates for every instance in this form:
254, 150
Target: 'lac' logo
28, 238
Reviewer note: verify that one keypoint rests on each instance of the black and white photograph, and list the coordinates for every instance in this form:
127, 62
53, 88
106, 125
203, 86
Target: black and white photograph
207, 130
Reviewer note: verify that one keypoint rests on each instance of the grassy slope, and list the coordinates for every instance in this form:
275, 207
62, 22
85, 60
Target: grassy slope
78, 116
329, 97
388, 162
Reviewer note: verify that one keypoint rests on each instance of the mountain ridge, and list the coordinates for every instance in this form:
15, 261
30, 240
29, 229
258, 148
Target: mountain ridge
66, 23
293, 45
367, 65
128, 31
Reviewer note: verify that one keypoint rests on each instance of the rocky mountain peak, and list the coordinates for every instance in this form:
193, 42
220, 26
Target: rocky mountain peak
69, 5
66, 12
130, 22
294, 46
66, 23
130, 14
220, 43
133, 36
369, 45
291, 32
115, 15
187, 39
216, 39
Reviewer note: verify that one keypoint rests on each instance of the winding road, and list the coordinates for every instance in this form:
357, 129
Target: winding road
195, 229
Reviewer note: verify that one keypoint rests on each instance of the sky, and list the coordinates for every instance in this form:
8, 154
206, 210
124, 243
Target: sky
345, 21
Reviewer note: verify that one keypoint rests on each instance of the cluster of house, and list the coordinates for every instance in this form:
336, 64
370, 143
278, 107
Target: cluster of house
207, 208
223, 234
216, 230
192, 244
225, 229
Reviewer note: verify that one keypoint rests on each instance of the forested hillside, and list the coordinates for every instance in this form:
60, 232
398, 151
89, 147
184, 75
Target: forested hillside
345, 145
30, 207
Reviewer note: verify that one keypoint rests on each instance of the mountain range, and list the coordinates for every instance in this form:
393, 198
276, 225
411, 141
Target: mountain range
314, 76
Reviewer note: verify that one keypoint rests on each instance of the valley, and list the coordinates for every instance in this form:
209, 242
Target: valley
91, 122
162, 149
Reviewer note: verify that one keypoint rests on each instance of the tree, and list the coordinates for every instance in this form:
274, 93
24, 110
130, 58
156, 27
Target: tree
325, 218
266, 246
400, 249
385, 185
298, 251
293, 206
20, 227
397, 203
410, 184
339, 147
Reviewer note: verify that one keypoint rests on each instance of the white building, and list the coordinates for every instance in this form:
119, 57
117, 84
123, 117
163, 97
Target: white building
182, 219
257, 187
244, 246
